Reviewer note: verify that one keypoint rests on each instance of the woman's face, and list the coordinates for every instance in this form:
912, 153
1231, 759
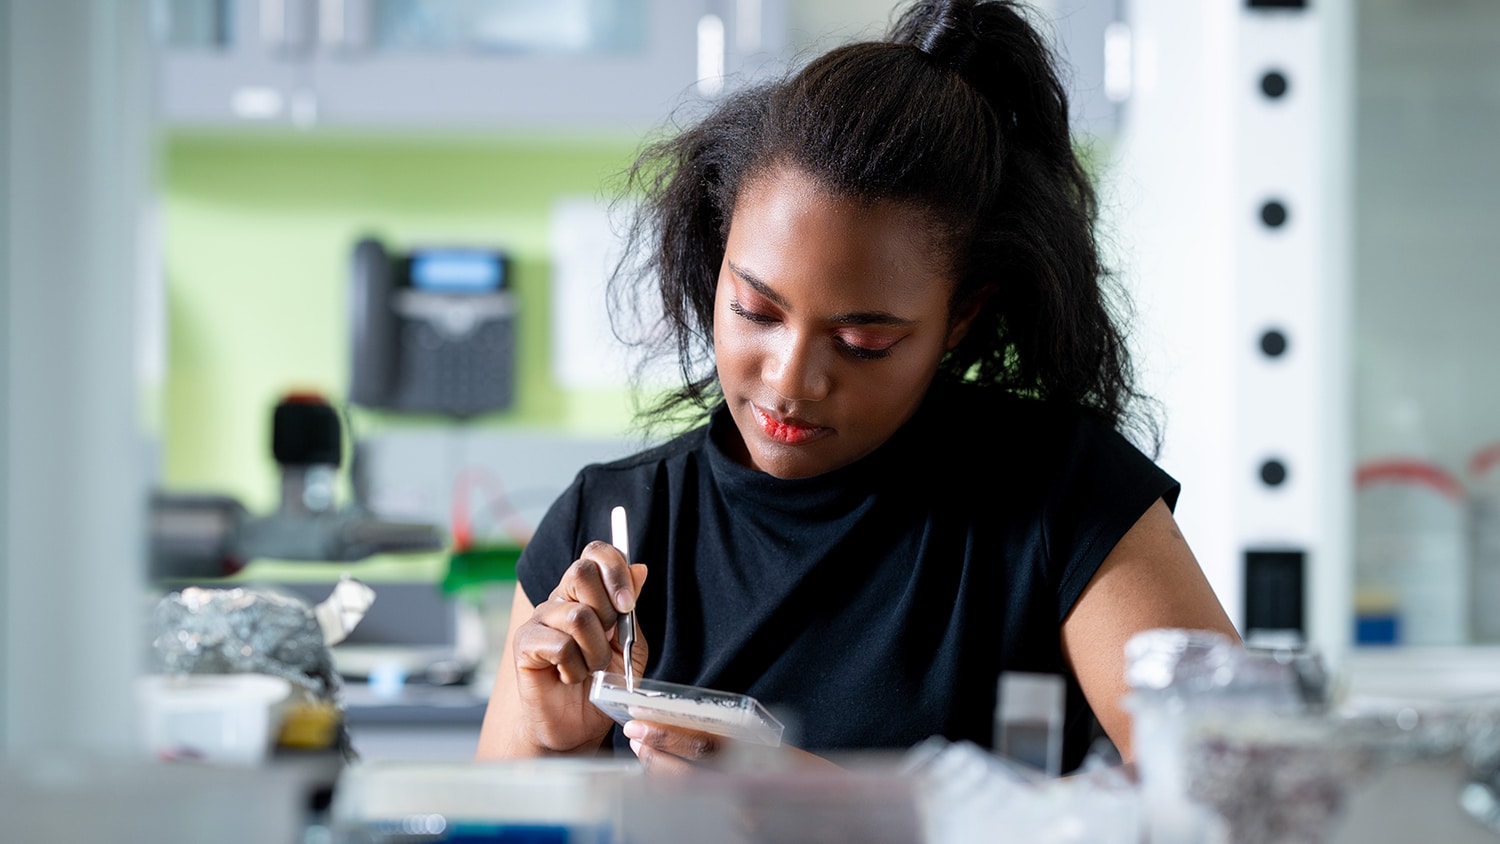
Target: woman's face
830, 318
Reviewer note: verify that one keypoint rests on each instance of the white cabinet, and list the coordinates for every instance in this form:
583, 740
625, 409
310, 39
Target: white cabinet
223, 61
445, 64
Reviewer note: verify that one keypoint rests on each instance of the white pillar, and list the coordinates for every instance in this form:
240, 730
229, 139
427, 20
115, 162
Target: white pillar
1207, 142
75, 160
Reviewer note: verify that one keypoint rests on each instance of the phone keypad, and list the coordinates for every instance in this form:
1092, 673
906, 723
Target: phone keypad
463, 377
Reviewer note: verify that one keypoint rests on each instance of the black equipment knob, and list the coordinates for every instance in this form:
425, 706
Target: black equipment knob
305, 431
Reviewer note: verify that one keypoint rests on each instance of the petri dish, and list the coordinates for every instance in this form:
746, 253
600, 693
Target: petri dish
735, 716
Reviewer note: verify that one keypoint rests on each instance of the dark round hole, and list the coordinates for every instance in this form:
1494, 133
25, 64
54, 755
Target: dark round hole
1273, 343
1273, 84
1273, 473
1273, 214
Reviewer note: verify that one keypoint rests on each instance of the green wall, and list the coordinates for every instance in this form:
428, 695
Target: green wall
257, 233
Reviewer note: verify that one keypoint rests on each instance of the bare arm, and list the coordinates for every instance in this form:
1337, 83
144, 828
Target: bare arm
1151, 579
497, 737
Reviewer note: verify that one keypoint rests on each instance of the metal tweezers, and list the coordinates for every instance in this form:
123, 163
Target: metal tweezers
620, 538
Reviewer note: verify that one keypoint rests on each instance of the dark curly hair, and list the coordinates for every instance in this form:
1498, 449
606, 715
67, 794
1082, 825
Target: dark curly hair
958, 113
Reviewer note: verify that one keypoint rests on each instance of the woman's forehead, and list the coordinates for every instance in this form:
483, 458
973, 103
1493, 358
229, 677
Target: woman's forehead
789, 230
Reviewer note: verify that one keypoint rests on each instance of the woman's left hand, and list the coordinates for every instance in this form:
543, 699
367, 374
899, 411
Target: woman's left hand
666, 750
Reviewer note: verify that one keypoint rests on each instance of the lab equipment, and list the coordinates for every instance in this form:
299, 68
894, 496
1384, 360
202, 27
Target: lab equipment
1411, 551
1484, 527
620, 538
433, 330
201, 536
727, 714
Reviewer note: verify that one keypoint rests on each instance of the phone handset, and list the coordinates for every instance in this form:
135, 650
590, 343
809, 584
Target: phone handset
373, 325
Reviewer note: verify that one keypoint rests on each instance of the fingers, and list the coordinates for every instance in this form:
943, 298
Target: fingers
572, 631
676, 751
601, 579
670, 750
566, 635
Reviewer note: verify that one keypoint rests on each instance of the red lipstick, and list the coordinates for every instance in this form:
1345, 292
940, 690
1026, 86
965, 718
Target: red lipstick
788, 430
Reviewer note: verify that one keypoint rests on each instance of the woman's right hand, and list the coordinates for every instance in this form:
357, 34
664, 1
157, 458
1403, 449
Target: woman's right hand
567, 638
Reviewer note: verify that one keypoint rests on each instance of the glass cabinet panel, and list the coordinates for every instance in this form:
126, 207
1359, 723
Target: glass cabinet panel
1426, 311
454, 64
509, 26
195, 24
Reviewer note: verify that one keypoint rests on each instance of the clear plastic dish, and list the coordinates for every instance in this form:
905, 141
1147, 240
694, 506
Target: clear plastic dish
738, 717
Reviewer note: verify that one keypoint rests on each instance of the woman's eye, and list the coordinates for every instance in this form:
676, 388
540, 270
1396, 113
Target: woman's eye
737, 308
865, 352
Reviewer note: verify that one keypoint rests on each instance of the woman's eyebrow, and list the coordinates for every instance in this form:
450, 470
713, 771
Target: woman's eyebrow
756, 284
851, 318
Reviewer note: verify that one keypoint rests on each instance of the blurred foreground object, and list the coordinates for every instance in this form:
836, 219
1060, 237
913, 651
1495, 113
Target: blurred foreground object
969, 794
198, 536
62, 799
558, 799
1250, 746
235, 662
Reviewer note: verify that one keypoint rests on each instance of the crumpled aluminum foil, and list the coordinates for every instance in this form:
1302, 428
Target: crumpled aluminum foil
1286, 779
259, 630
1250, 735
1209, 670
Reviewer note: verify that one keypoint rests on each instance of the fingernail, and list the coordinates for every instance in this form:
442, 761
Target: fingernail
634, 730
635, 747
624, 600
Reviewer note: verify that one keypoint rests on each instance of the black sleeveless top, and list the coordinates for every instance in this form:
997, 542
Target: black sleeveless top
876, 605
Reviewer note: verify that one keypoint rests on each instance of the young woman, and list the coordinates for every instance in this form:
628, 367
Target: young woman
910, 475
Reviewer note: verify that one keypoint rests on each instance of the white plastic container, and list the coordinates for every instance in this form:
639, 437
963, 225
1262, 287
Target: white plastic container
230, 719
1412, 549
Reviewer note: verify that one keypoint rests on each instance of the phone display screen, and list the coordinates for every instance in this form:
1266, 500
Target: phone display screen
456, 271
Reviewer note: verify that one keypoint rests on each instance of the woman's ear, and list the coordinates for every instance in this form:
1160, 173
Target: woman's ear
964, 313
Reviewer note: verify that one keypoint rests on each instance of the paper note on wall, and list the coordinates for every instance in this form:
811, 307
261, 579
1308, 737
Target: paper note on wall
587, 242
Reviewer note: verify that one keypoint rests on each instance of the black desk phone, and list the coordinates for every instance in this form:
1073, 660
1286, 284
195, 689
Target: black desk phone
433, 330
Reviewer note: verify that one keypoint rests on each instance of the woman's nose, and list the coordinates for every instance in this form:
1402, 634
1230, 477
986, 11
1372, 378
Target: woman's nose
796, 370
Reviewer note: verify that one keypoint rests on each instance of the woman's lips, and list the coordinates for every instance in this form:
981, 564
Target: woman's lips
788, 430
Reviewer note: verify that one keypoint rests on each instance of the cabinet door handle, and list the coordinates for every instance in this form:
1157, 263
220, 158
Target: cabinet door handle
332, 23
710, 55
748, 26
273, 23
1117, 61
344, 25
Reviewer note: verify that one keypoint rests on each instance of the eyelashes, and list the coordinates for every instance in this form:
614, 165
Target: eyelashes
864, 353
854, 351
757, 318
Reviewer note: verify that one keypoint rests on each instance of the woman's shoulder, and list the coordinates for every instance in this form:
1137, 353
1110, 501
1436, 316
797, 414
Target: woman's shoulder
1030, 440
